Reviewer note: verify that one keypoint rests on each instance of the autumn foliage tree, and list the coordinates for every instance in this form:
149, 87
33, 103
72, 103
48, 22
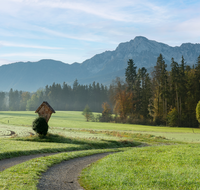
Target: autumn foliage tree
106, 109
122, 99
106, 113
123, 105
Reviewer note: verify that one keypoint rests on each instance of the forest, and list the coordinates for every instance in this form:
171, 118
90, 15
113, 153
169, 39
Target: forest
60, 97
166, 96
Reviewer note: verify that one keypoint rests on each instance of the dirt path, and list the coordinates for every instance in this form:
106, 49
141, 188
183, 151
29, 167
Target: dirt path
7, 163
61, 176
64, 176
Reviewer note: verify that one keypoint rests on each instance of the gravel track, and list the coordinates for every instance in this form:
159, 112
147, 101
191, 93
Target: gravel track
64, 176
9, 162
61, 176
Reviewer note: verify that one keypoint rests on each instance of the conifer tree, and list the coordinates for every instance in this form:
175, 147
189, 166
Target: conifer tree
182, 89
131, 74
160, 83
145, 92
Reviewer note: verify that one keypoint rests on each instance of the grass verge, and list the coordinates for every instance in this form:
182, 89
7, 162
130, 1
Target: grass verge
26, 175
14, 147
161, 167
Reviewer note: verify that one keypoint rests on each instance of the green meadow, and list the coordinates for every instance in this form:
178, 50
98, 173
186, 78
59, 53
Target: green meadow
171, 161
161, 167
64, 120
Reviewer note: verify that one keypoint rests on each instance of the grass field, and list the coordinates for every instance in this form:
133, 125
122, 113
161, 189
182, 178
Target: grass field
156, 167
75, 120
161, 167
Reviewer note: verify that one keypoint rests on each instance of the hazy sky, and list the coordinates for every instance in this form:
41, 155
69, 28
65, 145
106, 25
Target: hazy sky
75, 30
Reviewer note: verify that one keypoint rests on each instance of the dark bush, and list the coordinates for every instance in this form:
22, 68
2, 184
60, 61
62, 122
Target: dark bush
105, 118
158, 120
40, 126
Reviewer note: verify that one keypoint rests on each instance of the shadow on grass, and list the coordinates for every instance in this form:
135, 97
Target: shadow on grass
89, 144
137, 137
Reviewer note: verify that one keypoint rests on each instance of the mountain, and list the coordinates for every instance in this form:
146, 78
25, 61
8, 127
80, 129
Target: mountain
102, 68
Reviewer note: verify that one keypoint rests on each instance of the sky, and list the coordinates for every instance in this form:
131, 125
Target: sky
73, 31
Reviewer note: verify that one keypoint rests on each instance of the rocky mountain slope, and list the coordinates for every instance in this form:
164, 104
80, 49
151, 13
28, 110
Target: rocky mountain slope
102, 68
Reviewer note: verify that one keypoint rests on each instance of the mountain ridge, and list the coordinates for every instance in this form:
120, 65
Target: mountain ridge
102, 68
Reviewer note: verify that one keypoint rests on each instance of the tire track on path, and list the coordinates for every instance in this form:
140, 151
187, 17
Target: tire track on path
60, 176
9, 162
64, 176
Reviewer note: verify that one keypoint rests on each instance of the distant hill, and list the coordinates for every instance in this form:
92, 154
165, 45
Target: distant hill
102, 68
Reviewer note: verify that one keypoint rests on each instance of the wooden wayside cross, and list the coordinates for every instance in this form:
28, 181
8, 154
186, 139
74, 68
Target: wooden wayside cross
45, 110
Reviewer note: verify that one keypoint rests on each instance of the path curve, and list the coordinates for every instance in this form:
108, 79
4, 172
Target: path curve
9, 162
64, 176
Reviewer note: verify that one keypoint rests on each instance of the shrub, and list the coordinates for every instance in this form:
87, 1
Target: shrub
198, 112
40, 126
158, 120
87, 113
172, 118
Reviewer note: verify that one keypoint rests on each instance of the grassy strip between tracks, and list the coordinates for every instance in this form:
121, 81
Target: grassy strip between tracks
14, 147
26, 175
161, 167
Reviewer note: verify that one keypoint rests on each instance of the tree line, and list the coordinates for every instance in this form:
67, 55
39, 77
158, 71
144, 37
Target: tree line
168, 97
162, 97
60, 97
